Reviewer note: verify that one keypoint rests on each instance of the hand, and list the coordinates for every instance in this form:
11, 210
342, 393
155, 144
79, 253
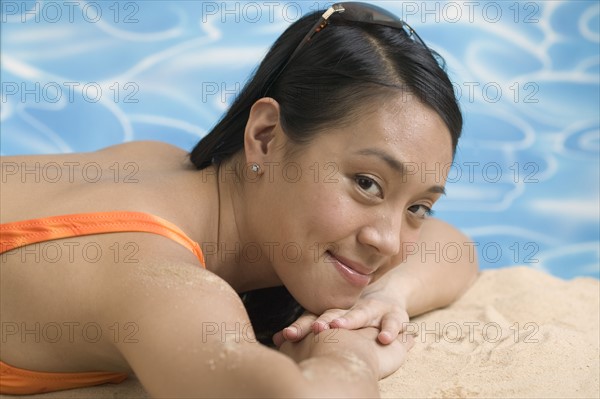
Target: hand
380, 306
357, 347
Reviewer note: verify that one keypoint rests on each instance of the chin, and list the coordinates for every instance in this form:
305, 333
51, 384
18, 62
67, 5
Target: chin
319, 305
324, 290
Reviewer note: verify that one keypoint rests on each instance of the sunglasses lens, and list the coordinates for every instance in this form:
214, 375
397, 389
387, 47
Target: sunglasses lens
368, 13
362, 12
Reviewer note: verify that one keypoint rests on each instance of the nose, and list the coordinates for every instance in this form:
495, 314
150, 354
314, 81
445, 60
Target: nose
383, 233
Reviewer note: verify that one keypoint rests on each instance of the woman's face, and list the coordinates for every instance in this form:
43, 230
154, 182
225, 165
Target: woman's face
339, 213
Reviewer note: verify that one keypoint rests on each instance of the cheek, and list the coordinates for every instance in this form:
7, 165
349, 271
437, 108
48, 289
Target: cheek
332, 212
306, 212
410, 234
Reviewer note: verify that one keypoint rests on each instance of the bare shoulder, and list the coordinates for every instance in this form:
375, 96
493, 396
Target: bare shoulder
164, 274
128, 149
193, 336
146, 148
439, 230
165, 279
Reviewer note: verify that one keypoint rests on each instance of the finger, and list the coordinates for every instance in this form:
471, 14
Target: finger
300, 328
319, 326
323, 322
408, 340
278, 339
391, 325
399, 348
355, 318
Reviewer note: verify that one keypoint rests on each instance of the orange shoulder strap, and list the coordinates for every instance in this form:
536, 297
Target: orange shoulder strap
16, 381
18, 234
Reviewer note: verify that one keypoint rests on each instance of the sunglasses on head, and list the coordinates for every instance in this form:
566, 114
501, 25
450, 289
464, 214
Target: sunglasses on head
355, 12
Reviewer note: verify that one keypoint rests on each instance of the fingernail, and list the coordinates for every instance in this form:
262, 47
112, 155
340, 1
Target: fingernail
290, 332
341, 321
278, 339
318, 326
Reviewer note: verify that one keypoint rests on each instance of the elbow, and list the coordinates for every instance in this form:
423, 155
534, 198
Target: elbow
472, 270
470, 264
467, 266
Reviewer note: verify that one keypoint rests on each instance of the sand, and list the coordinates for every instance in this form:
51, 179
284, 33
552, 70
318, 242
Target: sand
517, 333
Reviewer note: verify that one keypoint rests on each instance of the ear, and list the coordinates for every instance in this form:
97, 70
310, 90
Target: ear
261, 130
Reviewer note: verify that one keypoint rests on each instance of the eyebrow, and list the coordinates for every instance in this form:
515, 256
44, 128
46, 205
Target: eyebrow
397, 166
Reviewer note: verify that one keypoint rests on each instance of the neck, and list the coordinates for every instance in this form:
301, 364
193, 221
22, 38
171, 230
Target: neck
227, 243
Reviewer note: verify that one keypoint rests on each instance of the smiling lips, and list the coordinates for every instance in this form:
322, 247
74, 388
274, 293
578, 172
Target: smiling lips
350, 271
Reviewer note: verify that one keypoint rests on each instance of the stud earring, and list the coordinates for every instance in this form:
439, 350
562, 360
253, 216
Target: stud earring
255, 167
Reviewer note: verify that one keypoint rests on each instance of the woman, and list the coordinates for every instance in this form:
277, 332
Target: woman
304, 186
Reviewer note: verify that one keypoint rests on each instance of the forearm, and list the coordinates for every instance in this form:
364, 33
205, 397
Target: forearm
339, 375
438, 271
334, 364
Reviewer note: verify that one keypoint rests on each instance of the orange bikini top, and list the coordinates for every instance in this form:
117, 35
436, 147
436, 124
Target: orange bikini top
18, 234
16, 381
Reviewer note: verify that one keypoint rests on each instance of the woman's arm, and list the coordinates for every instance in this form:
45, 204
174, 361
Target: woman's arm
437, 271
194, 339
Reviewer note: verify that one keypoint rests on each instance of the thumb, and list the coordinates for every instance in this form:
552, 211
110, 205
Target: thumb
355, 318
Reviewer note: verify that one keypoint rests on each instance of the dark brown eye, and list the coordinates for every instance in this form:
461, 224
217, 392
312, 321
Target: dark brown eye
421, 211
369, 186
365, 184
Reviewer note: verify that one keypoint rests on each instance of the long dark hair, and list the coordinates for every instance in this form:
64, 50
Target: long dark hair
345, 66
